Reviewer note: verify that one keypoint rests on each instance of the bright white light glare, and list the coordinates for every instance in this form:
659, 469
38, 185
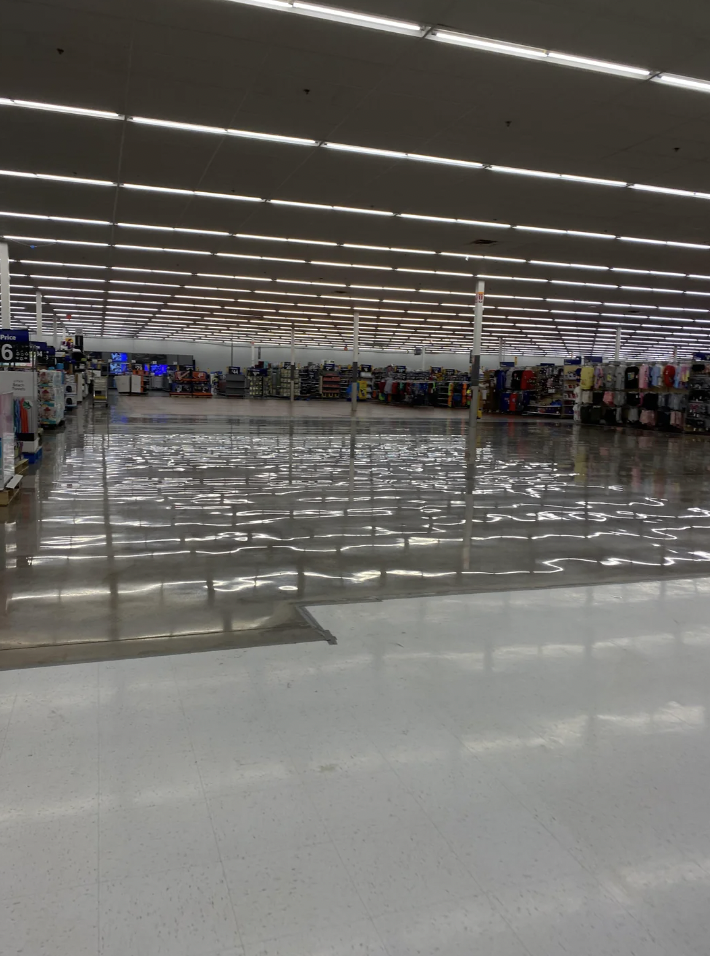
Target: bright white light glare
603, 66
191, 192
371, 151
686, 82
199, 232
592, 180
56, 108
370, 212
524, 172
355, 18
272, 137
422, 158
662, 189
492, 46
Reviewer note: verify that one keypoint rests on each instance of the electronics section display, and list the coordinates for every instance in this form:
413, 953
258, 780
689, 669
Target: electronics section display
654, 395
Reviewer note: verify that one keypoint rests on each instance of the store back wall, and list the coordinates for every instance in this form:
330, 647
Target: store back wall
214, 358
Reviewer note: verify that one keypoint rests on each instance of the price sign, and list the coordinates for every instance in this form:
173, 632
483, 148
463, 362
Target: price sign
14, 352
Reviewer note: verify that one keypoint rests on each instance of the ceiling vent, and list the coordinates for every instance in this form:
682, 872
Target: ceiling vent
483, 242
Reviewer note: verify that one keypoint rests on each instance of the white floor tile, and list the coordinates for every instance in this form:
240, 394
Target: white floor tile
400, 869
329, 748
30, 789
461, 928
547, 748
60, 923
149, 779
578, 917
46, 853
138, 840
178, 913
279, 894
279, 816
361, 805
353, 939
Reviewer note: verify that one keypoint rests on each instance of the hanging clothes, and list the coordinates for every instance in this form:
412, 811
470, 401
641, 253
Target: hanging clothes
631, 377
586, 377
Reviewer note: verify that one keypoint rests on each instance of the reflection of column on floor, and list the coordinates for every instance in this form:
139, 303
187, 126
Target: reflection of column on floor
353, 452
469, 491
114, 630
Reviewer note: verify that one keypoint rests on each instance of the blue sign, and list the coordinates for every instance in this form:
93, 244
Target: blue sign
14, 335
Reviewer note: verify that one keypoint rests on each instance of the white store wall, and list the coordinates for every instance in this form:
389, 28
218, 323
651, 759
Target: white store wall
212, 357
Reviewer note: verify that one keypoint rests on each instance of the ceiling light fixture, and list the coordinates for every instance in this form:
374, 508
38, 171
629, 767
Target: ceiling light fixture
357, 19
686, 82
295, 140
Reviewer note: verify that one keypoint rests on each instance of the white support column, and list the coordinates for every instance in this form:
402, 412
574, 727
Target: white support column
355, 375
38, 302
476, 353
54, 330
253, 354
500, 352
617, 347
5, 286
423, 357
293, 362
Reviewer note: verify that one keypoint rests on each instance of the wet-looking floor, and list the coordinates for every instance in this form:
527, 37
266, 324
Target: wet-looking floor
197, 529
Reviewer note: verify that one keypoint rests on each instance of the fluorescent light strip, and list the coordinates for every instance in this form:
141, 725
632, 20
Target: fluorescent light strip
300, 141
349, 245
380, 212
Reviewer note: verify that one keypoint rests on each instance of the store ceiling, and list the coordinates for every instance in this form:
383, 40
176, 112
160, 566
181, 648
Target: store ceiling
237, 66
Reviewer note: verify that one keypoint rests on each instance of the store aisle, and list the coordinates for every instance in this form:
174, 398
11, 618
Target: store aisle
212, 531
519, 774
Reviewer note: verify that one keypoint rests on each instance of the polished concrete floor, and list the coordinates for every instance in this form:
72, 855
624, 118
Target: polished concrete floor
146, 525
518, 773
502, 751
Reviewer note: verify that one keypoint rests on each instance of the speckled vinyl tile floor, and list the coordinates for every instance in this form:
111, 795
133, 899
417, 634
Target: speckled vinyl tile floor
517, 773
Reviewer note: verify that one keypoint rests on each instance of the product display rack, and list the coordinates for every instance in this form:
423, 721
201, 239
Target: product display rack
697, 420
644, 395
309, 381
234, 385
330, 385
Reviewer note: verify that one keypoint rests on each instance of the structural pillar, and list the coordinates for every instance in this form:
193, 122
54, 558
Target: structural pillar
253, 354
617, 347
5, 285
476, 353
38, 301
355, 377
423, 357
293, 362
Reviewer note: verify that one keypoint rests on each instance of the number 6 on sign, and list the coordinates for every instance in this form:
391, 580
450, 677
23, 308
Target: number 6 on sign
7, 352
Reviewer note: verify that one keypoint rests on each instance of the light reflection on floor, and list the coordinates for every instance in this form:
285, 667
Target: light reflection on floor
146, 524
